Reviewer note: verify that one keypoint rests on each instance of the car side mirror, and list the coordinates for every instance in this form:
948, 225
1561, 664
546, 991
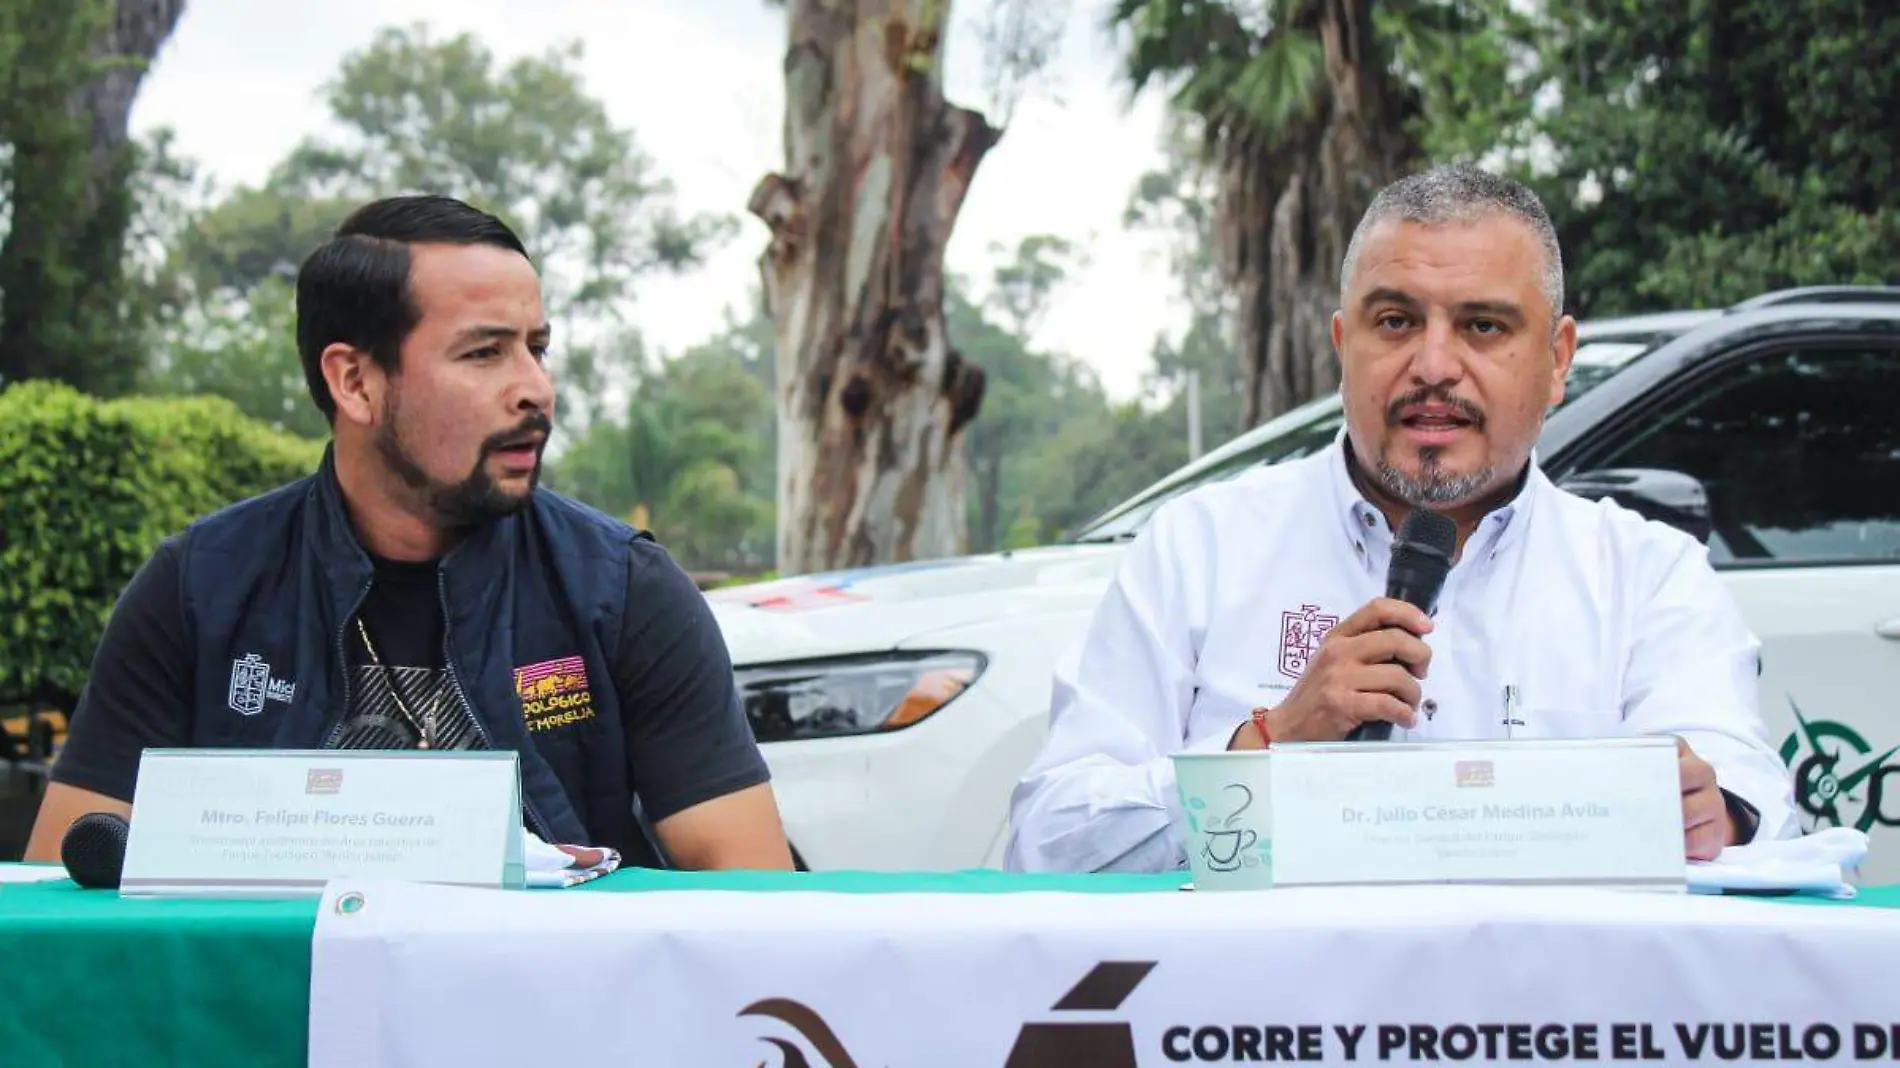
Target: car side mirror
1671, 497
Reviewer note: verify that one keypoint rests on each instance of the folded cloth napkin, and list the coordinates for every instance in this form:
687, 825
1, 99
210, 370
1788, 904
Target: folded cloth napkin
556, 867
1817, 864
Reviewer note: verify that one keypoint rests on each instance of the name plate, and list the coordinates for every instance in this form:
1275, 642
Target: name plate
1577, 812
281, 823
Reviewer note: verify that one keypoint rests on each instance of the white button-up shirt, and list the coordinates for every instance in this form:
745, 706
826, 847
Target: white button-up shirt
1605, 623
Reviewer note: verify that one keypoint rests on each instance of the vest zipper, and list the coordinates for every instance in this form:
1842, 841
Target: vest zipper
343, 663
455, 679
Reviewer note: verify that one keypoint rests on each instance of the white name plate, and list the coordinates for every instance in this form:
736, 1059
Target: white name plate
1576, 812
281, 823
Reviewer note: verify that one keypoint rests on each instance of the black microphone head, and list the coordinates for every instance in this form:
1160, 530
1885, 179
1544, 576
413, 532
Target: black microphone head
1429, 532
93, 850
1421, 558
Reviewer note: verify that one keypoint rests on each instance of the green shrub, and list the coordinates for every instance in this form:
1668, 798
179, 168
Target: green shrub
88, 488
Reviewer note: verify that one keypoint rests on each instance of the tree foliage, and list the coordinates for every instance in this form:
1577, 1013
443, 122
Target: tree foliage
1693, 153
1030, 394
1696, 153
88, 488
68, 72
1302, 113
524, 139
1175, 205
690, 455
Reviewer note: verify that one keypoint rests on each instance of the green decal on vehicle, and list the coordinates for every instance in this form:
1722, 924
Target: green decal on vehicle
1838, 782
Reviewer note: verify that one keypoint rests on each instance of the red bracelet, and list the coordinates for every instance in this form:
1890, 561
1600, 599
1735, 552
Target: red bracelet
1260, 724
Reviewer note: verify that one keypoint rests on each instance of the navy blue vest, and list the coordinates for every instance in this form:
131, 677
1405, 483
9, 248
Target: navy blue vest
271, 583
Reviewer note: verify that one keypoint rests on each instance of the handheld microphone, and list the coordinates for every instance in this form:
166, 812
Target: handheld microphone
1421, 558
93, 850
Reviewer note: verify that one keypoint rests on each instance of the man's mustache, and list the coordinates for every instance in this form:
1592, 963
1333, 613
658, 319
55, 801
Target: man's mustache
1430, 394
521, 434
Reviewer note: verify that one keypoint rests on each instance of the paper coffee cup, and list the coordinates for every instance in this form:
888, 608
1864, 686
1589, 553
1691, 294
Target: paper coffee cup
1227, 806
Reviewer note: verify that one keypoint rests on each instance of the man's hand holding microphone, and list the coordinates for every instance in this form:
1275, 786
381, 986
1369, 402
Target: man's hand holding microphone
1364, 677
1367, 670
1364, 680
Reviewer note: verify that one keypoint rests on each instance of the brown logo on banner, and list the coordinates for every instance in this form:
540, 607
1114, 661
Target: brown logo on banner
1098, 1045
1055, 1044
809, 1025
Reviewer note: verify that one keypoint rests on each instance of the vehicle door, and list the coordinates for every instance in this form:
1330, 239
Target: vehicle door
1798, 445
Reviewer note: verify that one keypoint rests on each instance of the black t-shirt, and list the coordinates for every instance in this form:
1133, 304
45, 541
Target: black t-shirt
400, 688
686, 733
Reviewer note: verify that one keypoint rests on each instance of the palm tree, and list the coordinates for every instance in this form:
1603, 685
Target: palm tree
1303, 113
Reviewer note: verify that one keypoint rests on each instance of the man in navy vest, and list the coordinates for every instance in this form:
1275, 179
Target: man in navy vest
420, 591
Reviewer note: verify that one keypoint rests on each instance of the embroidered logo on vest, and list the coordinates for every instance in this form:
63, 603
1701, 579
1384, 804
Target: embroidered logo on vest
251, 686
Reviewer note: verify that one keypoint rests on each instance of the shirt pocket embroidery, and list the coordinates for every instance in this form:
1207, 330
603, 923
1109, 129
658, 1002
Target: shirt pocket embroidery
556, 697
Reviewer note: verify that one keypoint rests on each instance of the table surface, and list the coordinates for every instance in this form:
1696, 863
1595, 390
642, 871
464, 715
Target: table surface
210, 982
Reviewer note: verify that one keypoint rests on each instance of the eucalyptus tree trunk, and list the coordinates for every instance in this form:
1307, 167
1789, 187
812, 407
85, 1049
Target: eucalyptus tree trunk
873, 399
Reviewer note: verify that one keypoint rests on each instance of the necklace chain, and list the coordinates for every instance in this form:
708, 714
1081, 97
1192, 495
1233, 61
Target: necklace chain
425, 732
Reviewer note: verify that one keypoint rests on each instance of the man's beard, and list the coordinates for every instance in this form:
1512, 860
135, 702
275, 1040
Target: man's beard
1433, 484
476, 498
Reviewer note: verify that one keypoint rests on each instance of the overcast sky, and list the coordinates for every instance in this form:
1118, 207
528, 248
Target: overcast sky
698, 82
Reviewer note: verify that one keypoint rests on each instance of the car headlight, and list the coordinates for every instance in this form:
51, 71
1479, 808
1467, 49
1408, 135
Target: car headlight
852, 695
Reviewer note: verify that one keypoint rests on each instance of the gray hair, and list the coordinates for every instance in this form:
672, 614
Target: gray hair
1459, 192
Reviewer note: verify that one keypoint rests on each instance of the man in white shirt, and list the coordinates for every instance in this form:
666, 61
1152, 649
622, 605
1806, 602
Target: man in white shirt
1266, 592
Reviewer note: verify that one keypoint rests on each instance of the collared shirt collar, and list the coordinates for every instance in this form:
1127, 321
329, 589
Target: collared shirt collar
1371, 536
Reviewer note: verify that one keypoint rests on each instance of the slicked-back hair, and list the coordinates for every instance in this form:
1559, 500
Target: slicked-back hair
354, 289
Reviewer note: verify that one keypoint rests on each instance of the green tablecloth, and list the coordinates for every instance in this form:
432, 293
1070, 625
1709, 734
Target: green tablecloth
95, 979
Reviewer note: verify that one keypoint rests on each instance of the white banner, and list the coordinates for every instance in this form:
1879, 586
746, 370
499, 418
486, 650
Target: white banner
419, 975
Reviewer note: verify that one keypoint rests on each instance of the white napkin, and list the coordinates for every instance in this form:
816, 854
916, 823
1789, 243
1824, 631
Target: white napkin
556, 867
1818, 864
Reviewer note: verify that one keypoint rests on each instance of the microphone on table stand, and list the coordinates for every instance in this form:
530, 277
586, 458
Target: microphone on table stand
1421, 558
93, 850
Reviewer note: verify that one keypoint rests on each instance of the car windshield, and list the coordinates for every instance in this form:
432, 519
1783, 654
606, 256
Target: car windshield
1313, 426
